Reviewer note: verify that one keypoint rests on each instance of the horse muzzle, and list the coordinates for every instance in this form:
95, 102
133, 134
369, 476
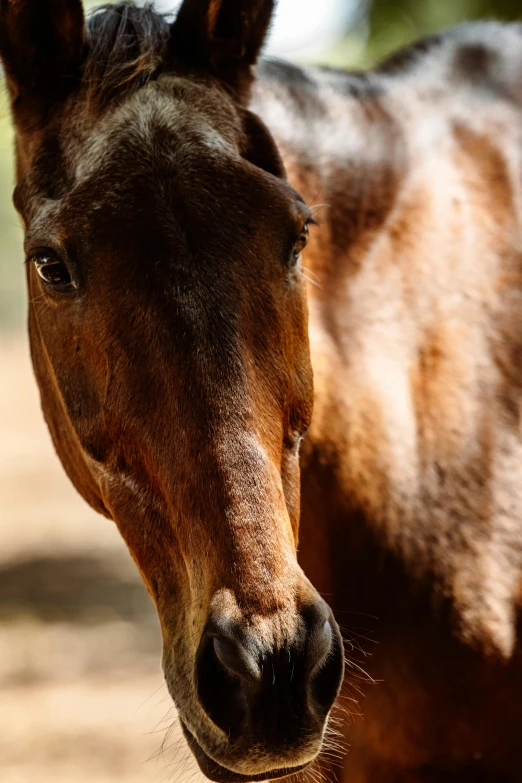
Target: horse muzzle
267, 702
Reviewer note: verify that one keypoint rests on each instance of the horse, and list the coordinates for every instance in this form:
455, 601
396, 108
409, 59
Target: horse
169, 180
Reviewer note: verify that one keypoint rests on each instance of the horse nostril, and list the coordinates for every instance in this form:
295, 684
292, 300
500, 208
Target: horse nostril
320, 646
235, 658
220, 678
253, 691
327, 668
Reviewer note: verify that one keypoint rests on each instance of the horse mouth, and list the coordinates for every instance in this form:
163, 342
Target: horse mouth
219, 774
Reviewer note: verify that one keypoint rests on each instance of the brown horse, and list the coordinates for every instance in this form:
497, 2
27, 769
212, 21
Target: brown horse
169, 334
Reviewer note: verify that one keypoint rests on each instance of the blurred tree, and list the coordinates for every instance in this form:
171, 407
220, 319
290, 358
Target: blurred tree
394, 23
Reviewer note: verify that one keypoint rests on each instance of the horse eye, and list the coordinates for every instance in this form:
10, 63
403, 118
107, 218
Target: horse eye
53, 272
301, 243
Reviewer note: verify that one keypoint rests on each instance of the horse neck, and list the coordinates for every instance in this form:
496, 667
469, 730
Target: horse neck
415, 323
343, 152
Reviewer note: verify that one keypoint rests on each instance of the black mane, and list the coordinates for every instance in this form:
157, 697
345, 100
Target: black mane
126, 47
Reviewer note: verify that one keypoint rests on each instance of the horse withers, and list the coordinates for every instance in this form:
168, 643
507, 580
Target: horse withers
169, 333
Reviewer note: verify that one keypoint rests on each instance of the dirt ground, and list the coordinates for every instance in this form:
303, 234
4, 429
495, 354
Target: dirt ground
82, 699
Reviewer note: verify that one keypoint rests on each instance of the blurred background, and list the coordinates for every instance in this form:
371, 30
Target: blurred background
81, 693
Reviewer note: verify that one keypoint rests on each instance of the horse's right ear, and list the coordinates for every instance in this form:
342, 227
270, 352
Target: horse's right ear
41, 46
223, 37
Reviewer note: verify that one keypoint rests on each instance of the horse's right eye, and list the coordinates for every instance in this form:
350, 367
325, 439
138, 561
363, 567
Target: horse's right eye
300, 244
53, 272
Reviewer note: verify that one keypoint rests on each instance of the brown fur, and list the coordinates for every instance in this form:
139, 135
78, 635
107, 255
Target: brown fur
177, 381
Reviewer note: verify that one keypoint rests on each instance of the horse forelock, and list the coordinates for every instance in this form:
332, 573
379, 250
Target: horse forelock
126, 47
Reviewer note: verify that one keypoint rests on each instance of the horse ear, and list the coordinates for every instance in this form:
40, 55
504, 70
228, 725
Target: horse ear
41, 46
223, 36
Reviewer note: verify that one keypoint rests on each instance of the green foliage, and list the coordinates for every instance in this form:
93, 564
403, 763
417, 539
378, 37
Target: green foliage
12, 295
394, 23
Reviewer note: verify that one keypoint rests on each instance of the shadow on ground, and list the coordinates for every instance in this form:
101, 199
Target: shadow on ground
76, 589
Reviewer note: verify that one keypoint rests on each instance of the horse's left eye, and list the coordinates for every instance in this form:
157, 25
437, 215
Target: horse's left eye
53, 272
301, 243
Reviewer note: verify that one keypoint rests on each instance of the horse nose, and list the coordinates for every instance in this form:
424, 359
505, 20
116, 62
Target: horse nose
246, 686
236, 659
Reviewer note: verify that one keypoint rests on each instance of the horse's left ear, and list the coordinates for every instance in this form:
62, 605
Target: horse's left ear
224, 37
41, 46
